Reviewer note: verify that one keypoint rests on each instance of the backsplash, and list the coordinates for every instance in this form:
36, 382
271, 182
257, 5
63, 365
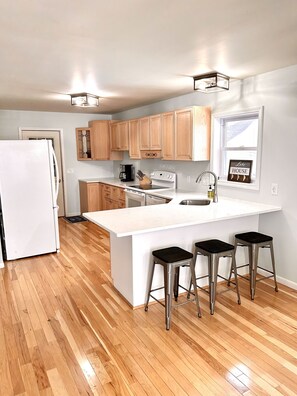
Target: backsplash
187, 172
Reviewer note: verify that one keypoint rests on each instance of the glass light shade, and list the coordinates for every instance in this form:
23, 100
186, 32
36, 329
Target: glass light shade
84, 100
211, 82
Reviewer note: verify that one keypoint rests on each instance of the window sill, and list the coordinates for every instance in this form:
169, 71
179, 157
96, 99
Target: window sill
244, 186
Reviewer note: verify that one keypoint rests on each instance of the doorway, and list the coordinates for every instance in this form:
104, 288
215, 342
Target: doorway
55, 136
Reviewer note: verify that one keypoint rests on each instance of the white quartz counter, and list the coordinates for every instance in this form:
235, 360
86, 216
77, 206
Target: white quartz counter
132, 221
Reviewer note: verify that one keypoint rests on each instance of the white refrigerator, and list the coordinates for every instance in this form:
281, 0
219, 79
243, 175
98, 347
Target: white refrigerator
28, 198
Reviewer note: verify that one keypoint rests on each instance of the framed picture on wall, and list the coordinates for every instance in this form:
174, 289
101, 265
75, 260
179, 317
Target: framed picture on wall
240, 171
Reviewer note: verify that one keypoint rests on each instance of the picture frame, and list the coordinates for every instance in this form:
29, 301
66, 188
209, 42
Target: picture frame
240, 171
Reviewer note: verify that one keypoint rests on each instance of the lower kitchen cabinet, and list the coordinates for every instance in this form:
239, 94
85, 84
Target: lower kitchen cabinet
112, 197
89, 196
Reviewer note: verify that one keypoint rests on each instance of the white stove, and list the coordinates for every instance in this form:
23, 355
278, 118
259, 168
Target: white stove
137, 195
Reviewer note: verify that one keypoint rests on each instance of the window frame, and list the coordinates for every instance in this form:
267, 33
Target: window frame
218, 146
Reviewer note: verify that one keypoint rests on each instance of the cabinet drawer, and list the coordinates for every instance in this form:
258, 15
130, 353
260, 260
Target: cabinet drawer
106, 190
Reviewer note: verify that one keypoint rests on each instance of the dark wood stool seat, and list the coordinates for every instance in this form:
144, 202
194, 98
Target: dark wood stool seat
214, 249
254, 241
171, 259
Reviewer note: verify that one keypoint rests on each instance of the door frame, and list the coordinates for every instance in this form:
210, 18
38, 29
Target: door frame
60, 132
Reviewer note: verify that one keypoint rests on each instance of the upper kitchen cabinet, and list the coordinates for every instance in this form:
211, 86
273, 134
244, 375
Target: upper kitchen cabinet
93, 143
134, 139
84, 143
168, 136
191, 138
100, 139
150, 133
120, 136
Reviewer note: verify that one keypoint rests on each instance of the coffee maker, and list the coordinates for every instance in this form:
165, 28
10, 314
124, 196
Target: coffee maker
126, 172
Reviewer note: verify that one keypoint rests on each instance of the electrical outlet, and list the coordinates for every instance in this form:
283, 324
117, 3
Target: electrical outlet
274, 188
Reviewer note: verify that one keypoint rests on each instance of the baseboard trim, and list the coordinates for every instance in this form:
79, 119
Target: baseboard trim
281, 280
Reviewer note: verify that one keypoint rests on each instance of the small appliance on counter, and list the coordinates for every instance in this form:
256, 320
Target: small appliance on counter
126, 172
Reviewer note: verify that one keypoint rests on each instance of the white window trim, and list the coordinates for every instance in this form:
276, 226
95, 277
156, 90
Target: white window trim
216, 146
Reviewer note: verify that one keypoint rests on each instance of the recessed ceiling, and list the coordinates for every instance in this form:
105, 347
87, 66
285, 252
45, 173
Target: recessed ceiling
135, 52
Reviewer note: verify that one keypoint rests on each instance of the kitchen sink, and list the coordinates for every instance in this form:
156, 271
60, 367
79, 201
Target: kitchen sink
195, 202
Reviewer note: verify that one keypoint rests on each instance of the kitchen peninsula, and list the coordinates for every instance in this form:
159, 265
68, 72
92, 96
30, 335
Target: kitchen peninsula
135, 232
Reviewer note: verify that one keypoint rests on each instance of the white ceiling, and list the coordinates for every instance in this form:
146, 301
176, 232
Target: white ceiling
135, 52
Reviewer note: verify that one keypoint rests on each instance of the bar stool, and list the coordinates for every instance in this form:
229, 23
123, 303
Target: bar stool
172, 259
214, 249
254, 241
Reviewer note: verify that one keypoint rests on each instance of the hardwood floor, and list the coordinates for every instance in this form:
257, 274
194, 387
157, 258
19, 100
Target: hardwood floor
64, 330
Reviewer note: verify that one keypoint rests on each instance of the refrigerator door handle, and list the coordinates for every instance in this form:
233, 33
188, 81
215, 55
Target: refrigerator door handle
57, 174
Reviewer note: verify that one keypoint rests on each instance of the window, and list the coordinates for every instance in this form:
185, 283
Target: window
237, 136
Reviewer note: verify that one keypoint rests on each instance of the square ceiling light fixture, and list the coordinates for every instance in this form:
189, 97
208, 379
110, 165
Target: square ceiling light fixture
211, 82
84, 100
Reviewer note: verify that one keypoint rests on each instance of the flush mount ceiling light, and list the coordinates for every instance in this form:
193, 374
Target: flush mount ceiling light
211, 82
84, 100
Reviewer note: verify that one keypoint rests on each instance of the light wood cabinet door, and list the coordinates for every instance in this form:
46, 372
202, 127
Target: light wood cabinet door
89, 197
144, 133
168, 136
100, 140
124, 135
114, 136
183, 134
150, 133
120, 136
134, 141
201, 133
155, 132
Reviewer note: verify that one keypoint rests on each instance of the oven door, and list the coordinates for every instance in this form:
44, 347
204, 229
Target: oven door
134, 198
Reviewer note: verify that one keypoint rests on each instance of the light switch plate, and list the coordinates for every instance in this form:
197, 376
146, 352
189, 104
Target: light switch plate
274, 188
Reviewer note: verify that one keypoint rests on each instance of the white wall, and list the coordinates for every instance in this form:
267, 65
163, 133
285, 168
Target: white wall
277, 92
12, 120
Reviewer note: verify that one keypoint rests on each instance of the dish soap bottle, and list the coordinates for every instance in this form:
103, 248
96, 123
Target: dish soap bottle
210, 192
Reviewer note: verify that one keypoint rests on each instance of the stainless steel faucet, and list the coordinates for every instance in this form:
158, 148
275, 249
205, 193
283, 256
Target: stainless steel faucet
215, 195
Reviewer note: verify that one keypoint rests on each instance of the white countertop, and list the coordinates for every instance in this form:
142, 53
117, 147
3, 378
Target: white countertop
131, 221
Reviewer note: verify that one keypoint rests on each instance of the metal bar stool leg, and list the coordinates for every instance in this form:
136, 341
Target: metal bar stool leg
169, 275
254, 252
150, 286
176, 283
273, 265
193, 281
233, 266
213, 263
